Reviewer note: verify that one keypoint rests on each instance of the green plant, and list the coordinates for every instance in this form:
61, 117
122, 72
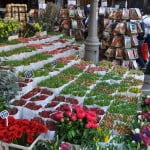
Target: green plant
27, 61
37, 26
16, 51
8, 85
75, 89
7, 27
54, 82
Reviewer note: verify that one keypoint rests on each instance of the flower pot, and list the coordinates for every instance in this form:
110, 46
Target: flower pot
6, 146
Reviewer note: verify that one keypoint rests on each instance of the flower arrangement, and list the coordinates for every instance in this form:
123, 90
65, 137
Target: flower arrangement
76, 124
20, 131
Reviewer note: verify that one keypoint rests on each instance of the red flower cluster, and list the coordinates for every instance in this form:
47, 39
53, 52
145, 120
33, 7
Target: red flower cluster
17, 129
39, 98
77, 113
64, 59
33, 106
31, 93
20, 102
80, 66
36, 46
94, 69
147, 101
24, 40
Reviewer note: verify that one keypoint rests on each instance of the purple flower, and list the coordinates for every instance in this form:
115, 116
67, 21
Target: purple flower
146, 139
146, 116
137, 137
65, 146
147, 101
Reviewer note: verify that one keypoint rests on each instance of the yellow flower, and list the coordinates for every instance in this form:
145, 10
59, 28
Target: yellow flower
99, 130
106, 139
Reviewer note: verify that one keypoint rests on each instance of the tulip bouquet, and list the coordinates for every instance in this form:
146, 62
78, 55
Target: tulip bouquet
76, 123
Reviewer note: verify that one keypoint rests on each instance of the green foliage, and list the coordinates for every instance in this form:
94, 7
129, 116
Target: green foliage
27, 61
16, 51
8, 85
53, 82
8, 27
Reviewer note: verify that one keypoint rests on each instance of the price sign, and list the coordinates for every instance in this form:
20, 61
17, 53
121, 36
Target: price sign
28, 74
4, 115
54, 63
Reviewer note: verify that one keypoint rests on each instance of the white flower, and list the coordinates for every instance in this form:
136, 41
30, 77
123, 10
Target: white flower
137, 130
133, 142
140, 117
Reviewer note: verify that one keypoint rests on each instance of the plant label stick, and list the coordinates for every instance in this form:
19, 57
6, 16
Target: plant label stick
4, 115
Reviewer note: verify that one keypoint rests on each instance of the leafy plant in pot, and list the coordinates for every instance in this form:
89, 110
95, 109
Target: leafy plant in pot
76, 123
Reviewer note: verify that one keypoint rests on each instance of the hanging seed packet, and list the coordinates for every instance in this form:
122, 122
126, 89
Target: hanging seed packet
120, 28
125, 14
134, 40
110, 52
74, 24
119, 53
133, 28
117, 41
71, 13
127, 41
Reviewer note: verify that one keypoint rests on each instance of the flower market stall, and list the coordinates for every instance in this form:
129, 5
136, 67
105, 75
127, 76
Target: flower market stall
69, 98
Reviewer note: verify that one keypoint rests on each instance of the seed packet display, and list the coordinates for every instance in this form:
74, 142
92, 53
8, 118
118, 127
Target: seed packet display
64, 13
127, 42
119, 53
133, 28
134, 40
125, 14
117, 41
110, 52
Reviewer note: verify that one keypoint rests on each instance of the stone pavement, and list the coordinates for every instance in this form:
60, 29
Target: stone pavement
146, 86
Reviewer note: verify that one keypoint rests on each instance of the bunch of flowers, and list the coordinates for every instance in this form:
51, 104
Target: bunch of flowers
20, 131
75, 123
